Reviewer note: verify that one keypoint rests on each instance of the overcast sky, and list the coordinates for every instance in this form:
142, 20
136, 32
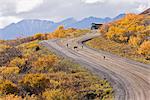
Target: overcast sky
56, 10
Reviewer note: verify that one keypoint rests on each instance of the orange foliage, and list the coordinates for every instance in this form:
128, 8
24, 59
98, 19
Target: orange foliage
130, 25
40, 36
144, 48
134, 41
61, 32
45, 61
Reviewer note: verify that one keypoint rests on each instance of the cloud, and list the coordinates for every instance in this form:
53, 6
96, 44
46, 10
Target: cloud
27, 5
10, 9
4, 21
141, 8
57, 10
93, 1
7, 8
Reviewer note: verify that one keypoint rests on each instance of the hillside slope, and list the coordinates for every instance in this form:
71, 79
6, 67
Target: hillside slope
146, 12
128, 37
30, 71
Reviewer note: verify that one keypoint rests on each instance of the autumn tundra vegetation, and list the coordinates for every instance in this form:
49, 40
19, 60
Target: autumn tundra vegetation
128, 37
31, 72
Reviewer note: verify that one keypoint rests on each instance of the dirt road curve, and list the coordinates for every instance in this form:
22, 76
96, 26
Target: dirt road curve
130, 80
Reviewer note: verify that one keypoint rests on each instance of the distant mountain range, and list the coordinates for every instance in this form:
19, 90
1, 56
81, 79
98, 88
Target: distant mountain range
30, 27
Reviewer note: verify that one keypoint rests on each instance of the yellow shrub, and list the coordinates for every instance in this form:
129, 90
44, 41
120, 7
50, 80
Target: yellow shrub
61, 32
144, 48
123, 29
30, 45
18, 62
4, 47
11, 97
34, 83
7, 87
134, 41
2, 41
15, 97
9, 70
140, 28
54, 95
38, 36
45, 62
60, 28
117, 33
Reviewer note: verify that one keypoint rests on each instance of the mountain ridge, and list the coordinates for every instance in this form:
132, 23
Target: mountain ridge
146, 12
28, 27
